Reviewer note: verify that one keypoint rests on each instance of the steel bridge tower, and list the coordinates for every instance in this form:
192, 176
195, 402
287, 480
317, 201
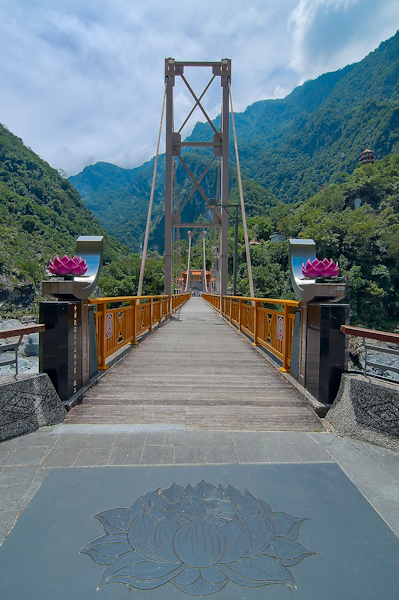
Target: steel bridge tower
220, 146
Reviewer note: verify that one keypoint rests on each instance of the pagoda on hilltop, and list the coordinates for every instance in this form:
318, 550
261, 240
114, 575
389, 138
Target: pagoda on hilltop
367, 157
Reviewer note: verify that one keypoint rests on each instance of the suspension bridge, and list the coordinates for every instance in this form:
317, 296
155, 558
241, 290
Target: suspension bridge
196, 372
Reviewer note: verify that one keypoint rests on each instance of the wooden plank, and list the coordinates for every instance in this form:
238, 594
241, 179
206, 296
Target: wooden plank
114, 414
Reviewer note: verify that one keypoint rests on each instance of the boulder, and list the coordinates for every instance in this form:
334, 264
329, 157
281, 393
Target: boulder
31, 345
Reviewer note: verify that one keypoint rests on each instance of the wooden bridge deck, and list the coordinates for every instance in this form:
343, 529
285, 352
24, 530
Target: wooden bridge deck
196, 372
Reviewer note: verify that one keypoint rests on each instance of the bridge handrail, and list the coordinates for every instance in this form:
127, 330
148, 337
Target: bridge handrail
16, 332
264, 300
117, 327
21, 331
111, 299
269, 328
381, 336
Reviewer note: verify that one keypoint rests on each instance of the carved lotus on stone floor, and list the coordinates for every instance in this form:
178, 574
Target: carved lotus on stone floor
198, 538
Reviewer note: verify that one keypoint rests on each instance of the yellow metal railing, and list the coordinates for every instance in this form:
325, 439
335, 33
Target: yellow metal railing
117, 327
268, 327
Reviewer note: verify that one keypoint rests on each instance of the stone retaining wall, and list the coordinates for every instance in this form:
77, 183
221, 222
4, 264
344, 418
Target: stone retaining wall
27, 403
367, 409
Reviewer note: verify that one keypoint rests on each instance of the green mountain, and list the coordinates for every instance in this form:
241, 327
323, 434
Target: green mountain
288, 147
355, 223
294, 145
122, 209
41, 214
119, 198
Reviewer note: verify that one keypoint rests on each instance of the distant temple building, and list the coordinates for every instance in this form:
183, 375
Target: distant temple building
367, 157
196, 280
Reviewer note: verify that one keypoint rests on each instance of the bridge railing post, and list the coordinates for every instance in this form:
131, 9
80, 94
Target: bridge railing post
101, 322
133, 341
286, 333
255, 305
151, 314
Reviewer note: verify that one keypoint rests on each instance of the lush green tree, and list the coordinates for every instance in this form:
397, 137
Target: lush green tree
121, 277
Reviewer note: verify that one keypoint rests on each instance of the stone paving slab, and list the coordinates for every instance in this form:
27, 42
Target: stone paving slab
28, 459
341, 547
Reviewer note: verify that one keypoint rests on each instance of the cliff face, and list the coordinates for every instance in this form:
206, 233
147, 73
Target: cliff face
16, 297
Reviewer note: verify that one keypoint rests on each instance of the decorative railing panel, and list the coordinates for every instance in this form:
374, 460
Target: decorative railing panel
132, 317
269, 322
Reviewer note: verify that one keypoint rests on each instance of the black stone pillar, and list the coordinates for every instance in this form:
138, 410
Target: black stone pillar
325, 349
60, 349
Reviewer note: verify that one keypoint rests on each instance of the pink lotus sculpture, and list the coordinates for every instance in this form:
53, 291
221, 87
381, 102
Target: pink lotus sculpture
320, 268
67, 266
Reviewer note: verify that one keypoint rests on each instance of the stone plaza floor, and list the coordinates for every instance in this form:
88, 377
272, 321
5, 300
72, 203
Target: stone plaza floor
54, 480
214, 505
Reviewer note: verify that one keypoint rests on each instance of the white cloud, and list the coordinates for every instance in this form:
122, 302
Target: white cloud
83, 81
329, 34
280, 92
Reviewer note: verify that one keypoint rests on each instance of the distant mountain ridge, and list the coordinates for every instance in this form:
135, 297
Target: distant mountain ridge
119, 198
288, 147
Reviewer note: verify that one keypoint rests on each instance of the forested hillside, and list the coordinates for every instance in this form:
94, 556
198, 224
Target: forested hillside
41, 214
355, 223
288, 148
294, 145
119, 198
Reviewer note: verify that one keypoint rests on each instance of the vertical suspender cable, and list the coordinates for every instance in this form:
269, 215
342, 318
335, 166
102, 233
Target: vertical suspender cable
147, 229
188, 280
204, 286
173, 260
218, 247
244, 221
213, 267
178, 268
176, 231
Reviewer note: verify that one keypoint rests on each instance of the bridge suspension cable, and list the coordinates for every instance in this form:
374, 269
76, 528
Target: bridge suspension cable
147, 229
244, 220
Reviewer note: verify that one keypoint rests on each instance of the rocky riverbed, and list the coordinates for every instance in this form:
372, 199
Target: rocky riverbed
378, 357
28, 352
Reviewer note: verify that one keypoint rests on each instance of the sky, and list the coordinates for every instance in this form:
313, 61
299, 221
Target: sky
83, 81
